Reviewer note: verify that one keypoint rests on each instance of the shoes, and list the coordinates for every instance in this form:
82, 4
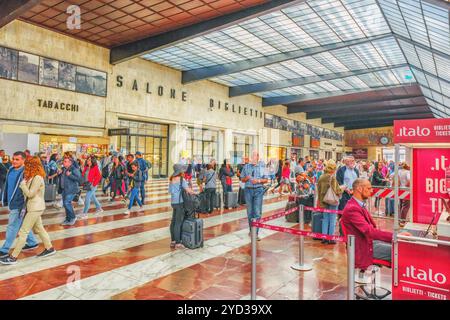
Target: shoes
29, 248
100, 210
126, 212
46, 253
82, 216
179, 246
141, 207
8, 260
69, 222
258, 238
173, 244
324, 241
3, 254
331, 242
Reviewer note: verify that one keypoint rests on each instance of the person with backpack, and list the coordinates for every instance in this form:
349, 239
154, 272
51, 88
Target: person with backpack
143, 166
176, 184
70, 178
136, 179
116, 178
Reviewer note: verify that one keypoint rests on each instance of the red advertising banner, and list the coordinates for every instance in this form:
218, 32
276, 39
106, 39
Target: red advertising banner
419, 278
429, 183
422, 131
360, 154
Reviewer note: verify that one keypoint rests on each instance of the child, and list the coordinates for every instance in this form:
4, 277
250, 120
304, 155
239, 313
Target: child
135, 184
285, 174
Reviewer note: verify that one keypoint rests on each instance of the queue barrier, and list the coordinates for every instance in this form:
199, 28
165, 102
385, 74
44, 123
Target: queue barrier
302, 266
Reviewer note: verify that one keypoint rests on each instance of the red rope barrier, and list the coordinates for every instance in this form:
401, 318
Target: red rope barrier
279, 215
323, 210
299, 232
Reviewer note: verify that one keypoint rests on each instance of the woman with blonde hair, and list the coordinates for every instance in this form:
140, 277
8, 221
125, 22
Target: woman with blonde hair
328, 180
33, 188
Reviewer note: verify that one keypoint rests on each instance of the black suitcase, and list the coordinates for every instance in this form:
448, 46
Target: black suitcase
241, 196
231, 200
192, 233
316, 225
203, 202
293, 217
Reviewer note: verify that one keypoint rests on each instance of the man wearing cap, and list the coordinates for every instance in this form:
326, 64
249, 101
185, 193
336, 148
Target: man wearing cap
144, 169
253, 175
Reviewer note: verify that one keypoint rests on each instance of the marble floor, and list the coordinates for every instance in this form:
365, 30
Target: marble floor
116, 256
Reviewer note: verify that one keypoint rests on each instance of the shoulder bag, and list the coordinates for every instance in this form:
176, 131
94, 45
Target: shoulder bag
23, 212
331, 197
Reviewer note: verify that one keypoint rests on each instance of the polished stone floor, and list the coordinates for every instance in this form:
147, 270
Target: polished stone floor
115, 256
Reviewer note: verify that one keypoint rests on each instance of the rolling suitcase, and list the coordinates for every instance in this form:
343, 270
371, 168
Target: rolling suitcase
203, 202
218, 201
316, 226
192, 233
50, 192
241, 196
293, 217
231, 200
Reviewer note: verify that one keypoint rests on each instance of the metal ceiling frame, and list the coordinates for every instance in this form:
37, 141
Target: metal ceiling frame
138, 48
280, 84
369, 115
419, 115
234, 67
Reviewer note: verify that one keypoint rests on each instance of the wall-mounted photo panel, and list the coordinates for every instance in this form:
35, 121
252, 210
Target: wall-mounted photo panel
8, 63
28, 67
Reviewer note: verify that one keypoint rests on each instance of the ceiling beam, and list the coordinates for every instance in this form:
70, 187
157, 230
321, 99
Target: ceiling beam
140, 47
344, 112
233, 67
12, 9
323, 95
370, 114
353, 120
422, 46
295, 108
440, 3
367, 125
275, 85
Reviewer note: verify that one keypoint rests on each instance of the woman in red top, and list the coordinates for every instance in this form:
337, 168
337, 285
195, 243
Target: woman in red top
285, 174
92, 177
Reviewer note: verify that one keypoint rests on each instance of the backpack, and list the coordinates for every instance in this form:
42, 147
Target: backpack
191, 202
105, 172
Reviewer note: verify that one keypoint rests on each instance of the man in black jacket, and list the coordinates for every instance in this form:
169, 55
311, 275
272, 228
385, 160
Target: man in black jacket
345, 176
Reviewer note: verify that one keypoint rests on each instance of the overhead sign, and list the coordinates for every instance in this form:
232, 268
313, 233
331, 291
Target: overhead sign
429, 182
360, 154
119, 132
422, 131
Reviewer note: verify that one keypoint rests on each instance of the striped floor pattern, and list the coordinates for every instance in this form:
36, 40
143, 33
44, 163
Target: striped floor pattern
116, 256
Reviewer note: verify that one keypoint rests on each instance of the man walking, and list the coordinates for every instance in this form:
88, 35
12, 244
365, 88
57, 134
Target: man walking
253, 175
70, 183
144, 169
14, 199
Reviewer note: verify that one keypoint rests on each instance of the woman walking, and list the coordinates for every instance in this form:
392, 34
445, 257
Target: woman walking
326, 181
92, 177
117, 175
33, 188
285, 175
176, 183
225, 176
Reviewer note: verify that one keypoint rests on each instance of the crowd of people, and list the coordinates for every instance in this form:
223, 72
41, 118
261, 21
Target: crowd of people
24, 180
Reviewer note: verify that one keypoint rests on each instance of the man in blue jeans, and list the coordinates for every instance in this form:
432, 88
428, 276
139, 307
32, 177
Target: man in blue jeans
144, 169
13, 198
254, 177
70, 184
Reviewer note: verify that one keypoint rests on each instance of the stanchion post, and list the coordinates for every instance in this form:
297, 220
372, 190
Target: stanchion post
253, 293
351, 267
301, 266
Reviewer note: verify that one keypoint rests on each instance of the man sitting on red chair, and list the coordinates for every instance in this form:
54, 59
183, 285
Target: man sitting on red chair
370, 242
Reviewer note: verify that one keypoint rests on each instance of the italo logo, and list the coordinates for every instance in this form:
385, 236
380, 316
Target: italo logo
428, 276
414, 132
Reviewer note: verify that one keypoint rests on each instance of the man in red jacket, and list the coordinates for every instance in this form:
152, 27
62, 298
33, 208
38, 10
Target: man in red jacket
370, 242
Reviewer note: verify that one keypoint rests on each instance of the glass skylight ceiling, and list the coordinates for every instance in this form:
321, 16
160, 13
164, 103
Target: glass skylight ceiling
318, 23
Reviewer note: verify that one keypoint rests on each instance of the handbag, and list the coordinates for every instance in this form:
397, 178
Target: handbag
331, 197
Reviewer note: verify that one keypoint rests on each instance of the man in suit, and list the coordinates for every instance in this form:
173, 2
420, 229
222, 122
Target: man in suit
371, 242
345, 176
